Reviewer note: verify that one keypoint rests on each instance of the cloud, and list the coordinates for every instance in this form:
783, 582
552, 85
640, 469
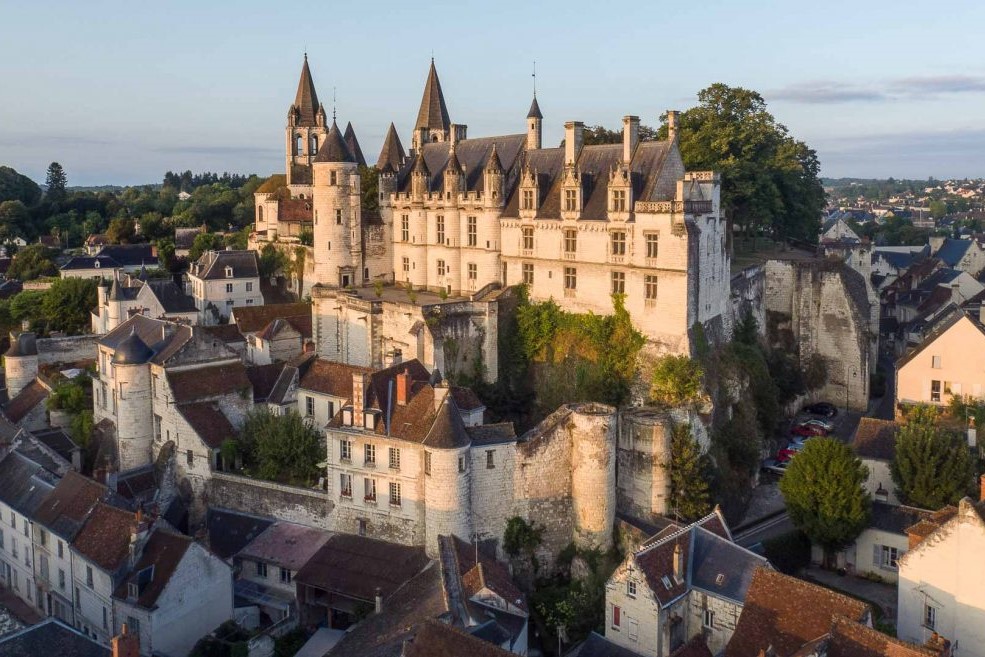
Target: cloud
826, 92
943, 154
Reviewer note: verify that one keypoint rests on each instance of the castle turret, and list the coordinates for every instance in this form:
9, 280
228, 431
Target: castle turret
350, 140
20, 362
447, 487
306, 128
134, 421
420, 177
337, 218
492, 179
593, 474
535, 122
454, 179
433, 123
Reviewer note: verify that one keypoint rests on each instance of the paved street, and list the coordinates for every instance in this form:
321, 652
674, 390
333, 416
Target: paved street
883, 595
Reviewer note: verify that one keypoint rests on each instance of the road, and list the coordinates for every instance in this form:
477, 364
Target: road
770, 528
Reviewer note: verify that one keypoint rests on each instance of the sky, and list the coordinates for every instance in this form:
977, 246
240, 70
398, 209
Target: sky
120, 92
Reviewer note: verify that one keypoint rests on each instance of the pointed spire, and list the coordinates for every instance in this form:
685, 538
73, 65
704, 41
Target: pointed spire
306, 100
493, 164
534, 112
115, 294
420, 166
433, 114
333, 148
453, 164
392, 154
350, 140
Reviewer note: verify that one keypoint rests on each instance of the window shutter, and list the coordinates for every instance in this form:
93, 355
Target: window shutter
877, 555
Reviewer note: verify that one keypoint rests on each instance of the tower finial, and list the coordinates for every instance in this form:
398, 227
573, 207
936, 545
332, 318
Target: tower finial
535, 78
333, 104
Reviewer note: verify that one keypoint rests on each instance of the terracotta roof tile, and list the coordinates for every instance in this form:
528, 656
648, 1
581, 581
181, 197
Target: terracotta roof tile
25, 401
487, 573
295, 210
208, 382
251, 319
330, 378
285, 544
875, 439
853, 639
696, 647
105, 537
437, 639
64, 510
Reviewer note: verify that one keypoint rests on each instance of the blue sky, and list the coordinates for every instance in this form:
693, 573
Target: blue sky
120, 92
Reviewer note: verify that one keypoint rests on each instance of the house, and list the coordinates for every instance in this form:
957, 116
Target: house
966, 255
847, 638
274, 332
835, 228
681, 583
324, 388
111, 261
787, 615
437, 639
184, 238
127, 296
222, 280
229, 532
95, 242
268, 564
949, 362
24, 484
175, 593
52, 637
28, 409
874, 443
940, 590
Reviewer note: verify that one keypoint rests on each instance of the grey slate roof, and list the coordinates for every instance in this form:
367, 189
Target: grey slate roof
89, 262
433, 113
23, 344
163, 338
534, 112
472, 154
392, 154
334, 148
132, 350
230, 532
306, 99
130, 255
952, 251
24, 483
172, 298
212, 264
492, 434
895, 519
51, 637
350, 140
721, 567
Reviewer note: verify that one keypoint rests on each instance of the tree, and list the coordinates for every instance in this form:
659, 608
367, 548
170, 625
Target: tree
689, 492
938, 209
932, 466
153, 227
272, 260
121, 231
17, 187
32, 262
369, 178
205, 242
281, 448
68, 303
824, 495
677, 381
55, 181
14, 216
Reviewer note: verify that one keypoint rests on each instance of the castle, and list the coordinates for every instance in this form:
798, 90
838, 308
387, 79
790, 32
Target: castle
461, 218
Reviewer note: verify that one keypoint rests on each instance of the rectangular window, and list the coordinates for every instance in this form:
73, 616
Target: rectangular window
570, 278
889, 556
490, 459
652, 246
89, 576
42, 537
285, 575
362, 524
440, 229
406, 265
472, 230
935, 362
332, 178
345, 450
249, 287
309, 406
61, 579
369, 454
404, 228
616, 617
461, 464
528, 238
105, 619
261, 569
528, 199
427, 463
935, 391
1, 543
190, 457
133, 625
394, 458
929, 617
369, 486
571, 200
229, 288
473, 271
708, 620
631, 588
618, 243
395, 498
61, 550
528, 273
570, 241
441, 268
331, 409
345, 485
618, 282
338, 217
650, 288
619, 200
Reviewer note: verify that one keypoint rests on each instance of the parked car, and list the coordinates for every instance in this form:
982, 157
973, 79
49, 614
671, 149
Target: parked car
798, 442
785, 454
777, 467
827, 426
824, 409
808, 430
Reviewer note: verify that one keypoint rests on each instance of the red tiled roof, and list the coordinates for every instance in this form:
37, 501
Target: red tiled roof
25, 401
105, 537
696, 647
466, 399
164, 551
210, 423
487, 573
330, 378
297, 210
251, 319
853, 639
437, 639
65, 509
875, 439
786, 613
285, 544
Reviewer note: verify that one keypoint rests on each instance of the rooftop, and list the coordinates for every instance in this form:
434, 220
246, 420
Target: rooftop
51, 637
160, 558
285, 544
105, 537
875, 439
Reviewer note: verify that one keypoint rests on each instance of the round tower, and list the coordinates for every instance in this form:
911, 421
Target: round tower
338, 225
644, 476
535, 121
447, 505
20, 362
593, 474
134, 417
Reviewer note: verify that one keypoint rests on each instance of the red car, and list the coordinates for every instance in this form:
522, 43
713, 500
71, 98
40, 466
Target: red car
785, 454
808, 430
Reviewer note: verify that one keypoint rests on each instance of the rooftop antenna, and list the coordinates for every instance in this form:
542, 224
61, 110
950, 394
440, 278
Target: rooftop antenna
534, 75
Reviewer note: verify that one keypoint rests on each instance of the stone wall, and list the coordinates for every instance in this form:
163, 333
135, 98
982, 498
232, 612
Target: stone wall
69, 349
748, 289
304, 506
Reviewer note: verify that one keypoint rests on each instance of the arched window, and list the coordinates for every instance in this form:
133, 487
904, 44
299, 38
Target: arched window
434, 138
314, 144
298, 144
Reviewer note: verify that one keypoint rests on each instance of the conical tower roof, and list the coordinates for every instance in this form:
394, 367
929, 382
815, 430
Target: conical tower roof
433, 113
306, 100
493, 164
132, 350
453, 163
115, 294
392, 154
334, 149
420, 166
534, 112
350, 140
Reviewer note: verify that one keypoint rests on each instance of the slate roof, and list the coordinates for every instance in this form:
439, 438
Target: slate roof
285, 544
66, 508
24, 484
208, 382
132, 350
433, 113
596, 645
51, 637
534, 112
437, 639
473, 154
895, 519
251, 319
105, 537
230, 531
492, 434
26, 400
263, 378
355, 566
164, 338
306, 100
786, 613
212, 265
952, 251
349, 137
392, 154
172, 298
184, 238
210, 423
334, 148
484, 573
58, 441
226, 333
23, 344
89, 262
163, 552
875, 439
279, 392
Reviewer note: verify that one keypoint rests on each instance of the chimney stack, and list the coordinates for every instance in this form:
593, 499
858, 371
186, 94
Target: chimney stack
403, 384
358, 398
574, 139
678, 563
125, 644
672, 116
630, 137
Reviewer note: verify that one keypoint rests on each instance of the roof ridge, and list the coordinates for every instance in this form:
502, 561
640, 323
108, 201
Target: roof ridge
680, 532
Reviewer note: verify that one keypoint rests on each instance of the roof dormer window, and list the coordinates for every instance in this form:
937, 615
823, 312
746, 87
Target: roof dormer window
229, 272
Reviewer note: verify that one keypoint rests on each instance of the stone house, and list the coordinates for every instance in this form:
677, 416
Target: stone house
268, 564
222, 280
273, 332
111, 261
323, 388
874, 443
950, 361
836, 229
939, 594
175, 593
964, 254
128, 296
682, 583
890, 262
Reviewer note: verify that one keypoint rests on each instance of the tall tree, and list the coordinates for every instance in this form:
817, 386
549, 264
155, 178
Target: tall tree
689, 492
17, 187
282, 448
67, 305
824, 494
55, 181
31, 262
933, 466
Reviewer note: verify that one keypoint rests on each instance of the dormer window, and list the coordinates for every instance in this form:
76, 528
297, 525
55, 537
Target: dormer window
571, 200
229, 272
528, 199
619, 200
133, 591
96, 264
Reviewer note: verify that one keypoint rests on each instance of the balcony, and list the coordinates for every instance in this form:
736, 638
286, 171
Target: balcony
569, 255
617, 259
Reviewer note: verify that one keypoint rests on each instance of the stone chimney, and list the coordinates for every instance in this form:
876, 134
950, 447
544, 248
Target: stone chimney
403, 387
630, 137
672, 116
358, 398
452, 135
125, 644
678, 562
574, 139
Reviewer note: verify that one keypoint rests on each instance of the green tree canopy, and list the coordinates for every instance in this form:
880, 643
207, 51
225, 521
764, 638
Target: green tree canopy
205, 242
933, 465
824, 494
14, 216
273, 260
68, 303
55, 181
32, 262
281, 448
689, 491
121, 231
17, 187
677, 381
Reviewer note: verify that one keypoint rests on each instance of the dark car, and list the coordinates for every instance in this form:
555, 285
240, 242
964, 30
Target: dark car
824, 409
